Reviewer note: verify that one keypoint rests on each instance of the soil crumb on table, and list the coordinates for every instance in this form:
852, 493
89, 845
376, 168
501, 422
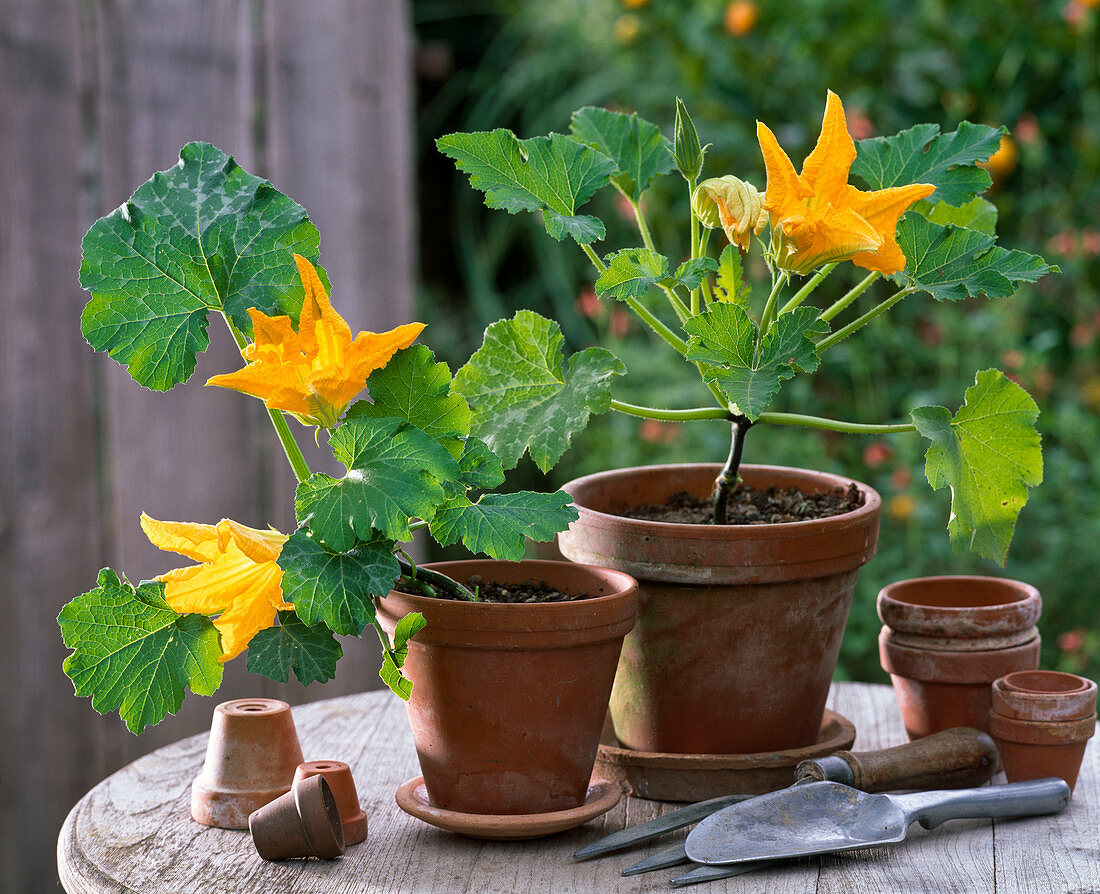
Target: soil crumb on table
749, 506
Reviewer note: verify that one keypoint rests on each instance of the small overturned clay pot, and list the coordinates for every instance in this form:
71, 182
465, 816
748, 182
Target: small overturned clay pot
338, 775
250, 761
946, 639
1042, 721
305, 822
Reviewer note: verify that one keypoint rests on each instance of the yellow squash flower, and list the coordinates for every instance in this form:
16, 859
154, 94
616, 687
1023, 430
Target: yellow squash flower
238, 578
315, 372
817, 217
732, 204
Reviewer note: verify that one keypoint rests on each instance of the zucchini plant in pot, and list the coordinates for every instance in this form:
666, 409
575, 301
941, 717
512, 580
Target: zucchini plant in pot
206, 239
745, 585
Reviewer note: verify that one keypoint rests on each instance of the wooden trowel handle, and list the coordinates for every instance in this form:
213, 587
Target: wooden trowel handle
955, 758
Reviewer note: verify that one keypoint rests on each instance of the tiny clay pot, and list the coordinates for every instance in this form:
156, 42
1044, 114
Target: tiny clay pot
250, 761
946, 639
1042, 721
305, 822
338, 776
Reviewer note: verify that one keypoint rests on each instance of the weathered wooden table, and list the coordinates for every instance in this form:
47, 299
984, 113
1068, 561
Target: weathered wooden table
133, 833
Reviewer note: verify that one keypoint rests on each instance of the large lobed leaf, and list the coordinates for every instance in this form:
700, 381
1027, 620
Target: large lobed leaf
724, 337
988, 454
413, 387
524, 395
203, 235
951, 263
639, 151
554, 175
336, 589
922, 154
395, 472
311, 652
499, 525
134, 654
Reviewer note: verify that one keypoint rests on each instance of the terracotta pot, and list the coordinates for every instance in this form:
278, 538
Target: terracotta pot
1042, 721
305, 822
946, 639
739, 626
250, 760
508, 699
338, 776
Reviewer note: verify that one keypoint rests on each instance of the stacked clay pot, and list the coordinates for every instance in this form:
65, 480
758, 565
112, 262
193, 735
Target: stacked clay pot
946, 639
1042, 721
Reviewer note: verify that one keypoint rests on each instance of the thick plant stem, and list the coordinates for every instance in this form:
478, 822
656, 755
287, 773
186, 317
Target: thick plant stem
805, 292
769, 309
704, 240
673, 340
293, 452
696, 249
841, 334
670, 415
727, 478
855, 428
433, 579
842, 303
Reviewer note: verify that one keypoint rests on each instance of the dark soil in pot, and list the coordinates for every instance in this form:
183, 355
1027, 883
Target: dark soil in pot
524, 592
747, 505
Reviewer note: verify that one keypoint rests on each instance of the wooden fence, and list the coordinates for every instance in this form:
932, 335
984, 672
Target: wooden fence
96, 95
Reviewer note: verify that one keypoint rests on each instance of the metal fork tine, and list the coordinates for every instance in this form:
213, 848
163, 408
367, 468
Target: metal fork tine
703, 873
670, 856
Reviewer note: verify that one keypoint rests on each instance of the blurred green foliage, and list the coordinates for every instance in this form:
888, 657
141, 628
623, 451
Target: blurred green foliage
1030, 65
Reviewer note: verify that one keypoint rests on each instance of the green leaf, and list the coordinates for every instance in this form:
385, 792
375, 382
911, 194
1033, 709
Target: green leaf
134, 654
554, 174
630, 273
499, 525
311, 652
639, 151
988, 454
691, 273
479, 467
204, 235
524, 395
689, 154
730, 286
923, 155
413, 387
977, 214
336, 589
951, 263
394, 659
723, 335
395, 472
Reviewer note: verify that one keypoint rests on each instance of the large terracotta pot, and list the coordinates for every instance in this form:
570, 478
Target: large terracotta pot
946, 639
739, 626
508, 700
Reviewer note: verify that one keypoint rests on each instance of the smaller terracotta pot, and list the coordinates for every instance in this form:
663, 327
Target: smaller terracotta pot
305, 822
338, 775
1042, 721
946, 639
250, 761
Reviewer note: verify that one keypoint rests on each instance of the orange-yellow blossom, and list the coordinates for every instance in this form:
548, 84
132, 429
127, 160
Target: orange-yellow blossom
315, 372
238, 578
732, 204
817, 217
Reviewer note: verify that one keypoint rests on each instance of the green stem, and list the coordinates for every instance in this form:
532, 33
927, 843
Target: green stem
418, 525
728, 477
293, 452
695, 246
803, 293
673, 299
856, 290
841, 334
703, 242
677, 305
769, 309
435, 579
670, 415
384, 639
674, 341
856, 428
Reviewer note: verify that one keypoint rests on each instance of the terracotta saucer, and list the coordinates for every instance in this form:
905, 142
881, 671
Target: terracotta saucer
659, 776
412, 797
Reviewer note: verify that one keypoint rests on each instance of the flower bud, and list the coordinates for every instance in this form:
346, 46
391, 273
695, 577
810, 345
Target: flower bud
732, 204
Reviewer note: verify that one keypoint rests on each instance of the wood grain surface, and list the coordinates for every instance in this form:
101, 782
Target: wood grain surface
132, 833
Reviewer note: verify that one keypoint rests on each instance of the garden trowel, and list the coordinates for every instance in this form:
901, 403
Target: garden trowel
825, 817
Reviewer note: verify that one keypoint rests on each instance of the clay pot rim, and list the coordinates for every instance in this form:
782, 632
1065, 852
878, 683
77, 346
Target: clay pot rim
872, 503
1084, 684
887, 593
